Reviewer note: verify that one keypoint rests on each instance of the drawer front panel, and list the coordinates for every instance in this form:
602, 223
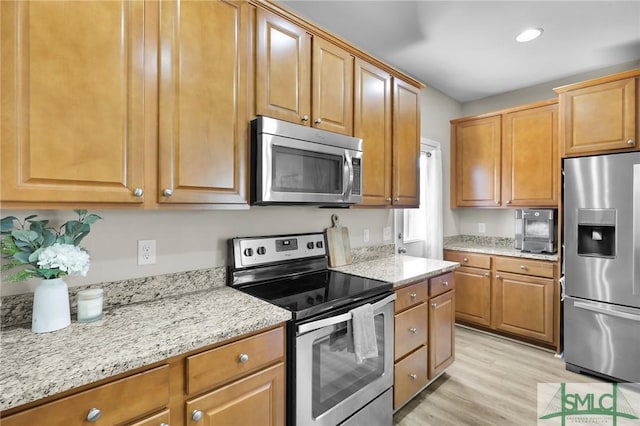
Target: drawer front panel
219, 365
118, 402
475, 260
410, 375
522, 266
155, 420
411, 330
411, 295
441, 284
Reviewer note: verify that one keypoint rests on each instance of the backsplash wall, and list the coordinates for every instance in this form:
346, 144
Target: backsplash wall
191, 240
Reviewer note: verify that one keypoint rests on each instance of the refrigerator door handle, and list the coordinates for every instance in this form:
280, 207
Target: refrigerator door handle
596, 307
636, 229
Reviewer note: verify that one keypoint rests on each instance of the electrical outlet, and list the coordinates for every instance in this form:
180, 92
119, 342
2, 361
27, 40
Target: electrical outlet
482, 228
146, 252
365, 236
386, 233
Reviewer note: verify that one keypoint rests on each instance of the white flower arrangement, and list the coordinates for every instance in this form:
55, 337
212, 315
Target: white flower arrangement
66, 257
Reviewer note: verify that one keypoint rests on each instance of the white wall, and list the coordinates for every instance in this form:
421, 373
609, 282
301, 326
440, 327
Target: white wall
188, 240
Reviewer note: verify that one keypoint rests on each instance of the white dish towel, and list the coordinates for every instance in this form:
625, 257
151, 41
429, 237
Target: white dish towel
365, 343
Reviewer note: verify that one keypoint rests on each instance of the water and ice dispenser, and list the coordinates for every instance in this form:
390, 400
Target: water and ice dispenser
597, 232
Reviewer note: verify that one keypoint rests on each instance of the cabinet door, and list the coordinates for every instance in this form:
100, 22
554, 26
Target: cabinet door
523, 305
372, 123
476, 154
283, 75
441, 332
473, 296
254, 400
203, 143
406, 145
332, 82
599, 118
530, 171
72, 125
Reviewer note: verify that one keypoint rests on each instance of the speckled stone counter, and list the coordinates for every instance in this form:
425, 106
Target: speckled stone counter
399, 269
492, 245
35, 366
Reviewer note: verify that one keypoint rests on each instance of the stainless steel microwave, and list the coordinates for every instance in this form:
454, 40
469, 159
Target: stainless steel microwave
536, 230
295, 164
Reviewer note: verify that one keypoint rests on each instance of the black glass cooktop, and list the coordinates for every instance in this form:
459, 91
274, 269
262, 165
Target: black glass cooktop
314, 293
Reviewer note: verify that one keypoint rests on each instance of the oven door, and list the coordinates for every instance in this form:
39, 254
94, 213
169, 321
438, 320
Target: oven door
330, 385
297, 171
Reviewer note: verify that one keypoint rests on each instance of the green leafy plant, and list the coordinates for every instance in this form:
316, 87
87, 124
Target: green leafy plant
48, 252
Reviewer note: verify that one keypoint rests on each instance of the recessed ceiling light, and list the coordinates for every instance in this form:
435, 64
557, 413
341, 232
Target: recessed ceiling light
529, 34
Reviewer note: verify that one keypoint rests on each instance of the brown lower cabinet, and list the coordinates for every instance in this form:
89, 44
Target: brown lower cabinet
241, 382
424, 335
514, 296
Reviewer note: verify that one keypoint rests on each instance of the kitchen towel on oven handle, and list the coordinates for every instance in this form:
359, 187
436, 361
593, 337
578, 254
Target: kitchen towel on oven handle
365, 342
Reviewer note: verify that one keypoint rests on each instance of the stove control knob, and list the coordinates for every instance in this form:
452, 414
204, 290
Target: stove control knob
319, 298
261, 250
310, 245
248, 252
310, 300
319, 244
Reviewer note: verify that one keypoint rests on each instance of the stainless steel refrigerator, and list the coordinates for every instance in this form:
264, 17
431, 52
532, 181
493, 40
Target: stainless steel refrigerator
602, 265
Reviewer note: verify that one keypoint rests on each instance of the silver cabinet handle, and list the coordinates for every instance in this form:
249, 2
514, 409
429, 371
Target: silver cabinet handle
305, 117
497, 202
486, 274
413, 296
631, 142
413, 330
388, 199
464, 259
318, 120
243, 358
508, 201
434, 305
497, 276
523, 267
197, 415
413, 376
167, 192
397, 198
93, 415
445, 283
138, 192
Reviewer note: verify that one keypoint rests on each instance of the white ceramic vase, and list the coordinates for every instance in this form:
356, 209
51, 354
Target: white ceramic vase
50, 306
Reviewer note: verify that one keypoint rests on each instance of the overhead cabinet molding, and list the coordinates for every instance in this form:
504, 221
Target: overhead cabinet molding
506, 159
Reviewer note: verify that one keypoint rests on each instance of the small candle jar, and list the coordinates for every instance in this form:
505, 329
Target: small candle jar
90, 305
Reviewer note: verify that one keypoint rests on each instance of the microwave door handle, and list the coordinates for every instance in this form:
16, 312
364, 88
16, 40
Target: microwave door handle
349, 174
326, 322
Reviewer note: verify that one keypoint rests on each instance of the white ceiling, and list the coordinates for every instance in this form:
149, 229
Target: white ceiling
467, 49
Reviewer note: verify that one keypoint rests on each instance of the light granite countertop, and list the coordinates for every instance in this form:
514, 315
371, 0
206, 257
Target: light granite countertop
35, 366
492, 245
399, 269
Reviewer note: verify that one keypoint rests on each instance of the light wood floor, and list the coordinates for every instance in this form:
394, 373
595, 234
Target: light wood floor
493, 381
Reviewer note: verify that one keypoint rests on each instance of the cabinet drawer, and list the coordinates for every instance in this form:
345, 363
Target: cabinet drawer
155, 420
468, 259
441, 284
410, 375
118, 402
522, 266
411, 295
410, 330
219, 365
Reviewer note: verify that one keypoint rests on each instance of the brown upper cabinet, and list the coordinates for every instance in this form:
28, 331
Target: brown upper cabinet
203, 146
300, 78
601, 115
72, 124
405, 188
507, 159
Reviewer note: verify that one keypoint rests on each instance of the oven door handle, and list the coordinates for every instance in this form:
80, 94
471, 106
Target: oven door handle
326, 322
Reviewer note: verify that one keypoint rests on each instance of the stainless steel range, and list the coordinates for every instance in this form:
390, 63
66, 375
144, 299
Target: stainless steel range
326, 384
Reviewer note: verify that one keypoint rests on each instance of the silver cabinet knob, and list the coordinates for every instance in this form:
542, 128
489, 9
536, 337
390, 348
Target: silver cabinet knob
465, 259
93, 415
167, 192
397, 198
445, 283
523, 267
413, 296
197, 415
164, 424
497, 276
508, 201
413, 376
434, 305
318, 120
497, 202
413, 330
243, 358
388, 199
631, 142
486, 274
304, 118
138, 192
